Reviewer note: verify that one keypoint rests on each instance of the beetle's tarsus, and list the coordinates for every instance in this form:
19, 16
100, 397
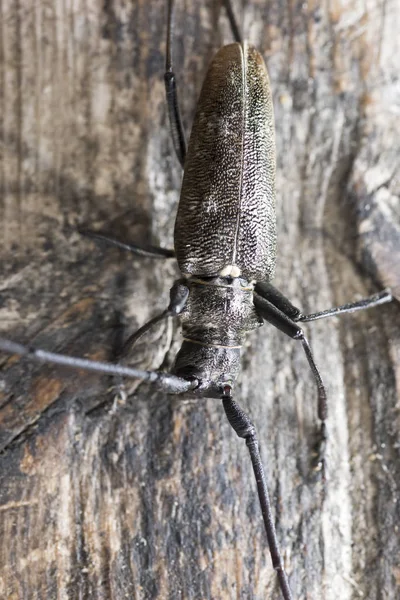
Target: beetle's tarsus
369, 302
319, 452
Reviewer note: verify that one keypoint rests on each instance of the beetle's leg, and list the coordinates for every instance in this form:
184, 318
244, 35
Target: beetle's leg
178, 296
273, 295
246, 430
370, 302
232, 22
165, 381
271, 313
169, 383
281, 321
147, 251
177, 131
270, 293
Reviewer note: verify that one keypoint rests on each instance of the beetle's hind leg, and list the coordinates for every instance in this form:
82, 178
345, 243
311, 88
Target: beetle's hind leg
142, 250
233, 22
177, 130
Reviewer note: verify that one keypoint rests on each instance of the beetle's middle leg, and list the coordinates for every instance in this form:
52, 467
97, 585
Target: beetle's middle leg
274, 315
277, 317
165, 381
273, 295
274, 307
278, 310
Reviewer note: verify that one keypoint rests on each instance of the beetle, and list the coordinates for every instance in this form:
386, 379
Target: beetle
226, 286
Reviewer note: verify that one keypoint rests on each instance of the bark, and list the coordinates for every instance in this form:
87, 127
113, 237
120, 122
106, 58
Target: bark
106, 497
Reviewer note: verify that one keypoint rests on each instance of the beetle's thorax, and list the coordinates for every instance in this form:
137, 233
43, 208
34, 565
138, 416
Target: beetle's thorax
219, 311
218, 314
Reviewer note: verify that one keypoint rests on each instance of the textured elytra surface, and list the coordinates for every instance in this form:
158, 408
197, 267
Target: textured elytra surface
153, 498
226, 214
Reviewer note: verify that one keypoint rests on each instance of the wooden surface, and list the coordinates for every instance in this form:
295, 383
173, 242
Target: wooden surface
152, 497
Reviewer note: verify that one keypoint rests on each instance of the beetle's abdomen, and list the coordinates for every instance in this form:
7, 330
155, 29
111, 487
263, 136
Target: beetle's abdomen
226, 216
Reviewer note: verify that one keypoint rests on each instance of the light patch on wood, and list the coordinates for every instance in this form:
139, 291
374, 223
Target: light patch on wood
27, 464
45, 390
73, 313
16, 505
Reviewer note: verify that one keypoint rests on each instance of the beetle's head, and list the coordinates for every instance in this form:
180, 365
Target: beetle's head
214, 367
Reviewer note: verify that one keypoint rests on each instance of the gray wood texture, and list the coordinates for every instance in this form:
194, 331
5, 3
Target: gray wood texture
103, 497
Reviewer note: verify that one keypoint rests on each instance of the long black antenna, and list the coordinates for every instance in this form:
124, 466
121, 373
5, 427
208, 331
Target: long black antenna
245, 429
165, 381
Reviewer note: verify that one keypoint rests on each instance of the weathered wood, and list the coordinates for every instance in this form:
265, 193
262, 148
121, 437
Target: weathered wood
153, 497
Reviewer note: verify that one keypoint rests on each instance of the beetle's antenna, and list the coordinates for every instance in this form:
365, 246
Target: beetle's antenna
169, 383
245, 429
177, 131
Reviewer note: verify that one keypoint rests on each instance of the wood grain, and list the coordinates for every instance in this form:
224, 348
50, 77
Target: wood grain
152, 497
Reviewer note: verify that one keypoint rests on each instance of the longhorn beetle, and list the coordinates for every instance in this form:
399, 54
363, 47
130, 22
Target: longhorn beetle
225, 246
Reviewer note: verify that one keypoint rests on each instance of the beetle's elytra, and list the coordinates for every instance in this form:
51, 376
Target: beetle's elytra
226, 224
225, 246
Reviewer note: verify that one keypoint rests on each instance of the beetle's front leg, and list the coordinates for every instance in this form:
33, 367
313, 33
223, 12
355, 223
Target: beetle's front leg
178, 296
